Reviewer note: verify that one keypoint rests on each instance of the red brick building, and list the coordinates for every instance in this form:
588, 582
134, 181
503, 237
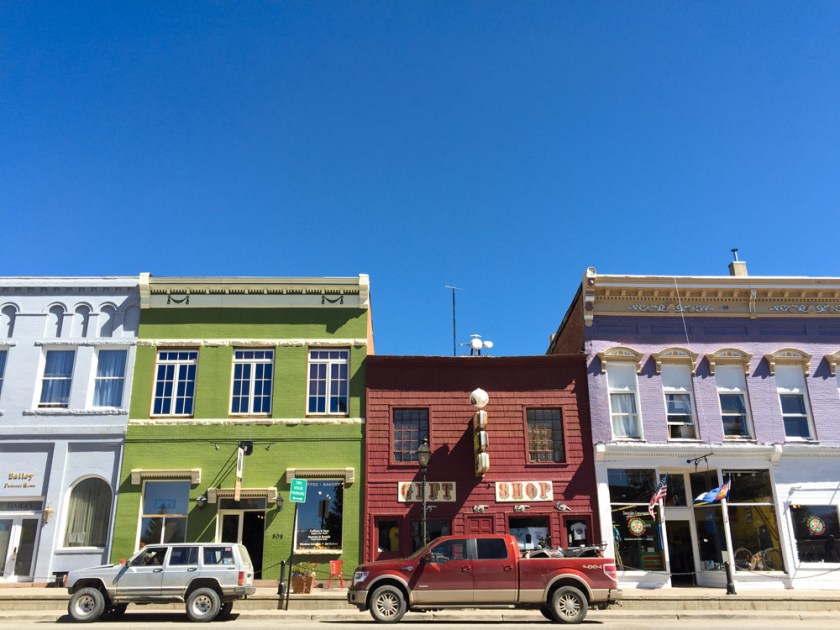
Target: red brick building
540, 484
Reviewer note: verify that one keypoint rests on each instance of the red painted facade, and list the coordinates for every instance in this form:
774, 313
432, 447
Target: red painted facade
530, 500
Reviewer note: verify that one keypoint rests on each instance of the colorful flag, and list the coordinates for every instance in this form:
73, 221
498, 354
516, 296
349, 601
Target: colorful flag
661, 491
715, 495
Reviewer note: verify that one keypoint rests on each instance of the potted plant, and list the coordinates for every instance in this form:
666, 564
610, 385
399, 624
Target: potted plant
303, 577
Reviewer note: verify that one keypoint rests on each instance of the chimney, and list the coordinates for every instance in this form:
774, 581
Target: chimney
737, 267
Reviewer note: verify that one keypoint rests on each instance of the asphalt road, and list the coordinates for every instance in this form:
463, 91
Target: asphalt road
157, 621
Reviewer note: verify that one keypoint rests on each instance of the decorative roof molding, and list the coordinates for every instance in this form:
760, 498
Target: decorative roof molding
833, 361
709, 296
789, 356
140, 474
239, 421
675, 355
214, 494
252, 343
729, 356
253, 292
88, 341
347, 474
620, 354
65, 411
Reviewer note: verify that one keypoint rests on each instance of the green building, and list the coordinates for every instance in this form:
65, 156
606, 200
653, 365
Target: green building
240, 386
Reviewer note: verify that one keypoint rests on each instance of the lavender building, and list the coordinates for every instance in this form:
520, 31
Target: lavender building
714, 381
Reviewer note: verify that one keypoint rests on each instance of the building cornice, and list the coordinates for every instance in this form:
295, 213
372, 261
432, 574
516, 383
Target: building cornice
252, 292
709, 296
181, 421
772, 452
252, 343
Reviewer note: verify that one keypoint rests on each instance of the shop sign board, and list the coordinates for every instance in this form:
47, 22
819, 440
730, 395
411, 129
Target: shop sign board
510, 491
436, 491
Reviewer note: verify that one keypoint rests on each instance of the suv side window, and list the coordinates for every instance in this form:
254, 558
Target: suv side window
491, 549
151, 557
218, 555
183, 555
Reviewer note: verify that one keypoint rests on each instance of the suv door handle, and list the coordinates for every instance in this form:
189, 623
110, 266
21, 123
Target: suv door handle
191, 569
156, 570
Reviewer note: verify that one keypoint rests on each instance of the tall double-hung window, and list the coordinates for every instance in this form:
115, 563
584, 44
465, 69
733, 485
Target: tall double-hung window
734, 403
545, 436
328, 381
679, 405
165, 507
793, 398
110, 378
174, 393
624, 400
253, 374
58, 376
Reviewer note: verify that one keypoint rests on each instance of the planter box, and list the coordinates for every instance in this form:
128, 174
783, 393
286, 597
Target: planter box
302, 583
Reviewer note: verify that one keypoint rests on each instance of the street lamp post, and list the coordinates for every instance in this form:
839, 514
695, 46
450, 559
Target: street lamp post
423, 455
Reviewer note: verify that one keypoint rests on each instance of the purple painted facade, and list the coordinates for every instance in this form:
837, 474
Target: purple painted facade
754, 343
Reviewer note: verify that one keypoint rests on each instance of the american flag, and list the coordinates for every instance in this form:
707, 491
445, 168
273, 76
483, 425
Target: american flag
661, 491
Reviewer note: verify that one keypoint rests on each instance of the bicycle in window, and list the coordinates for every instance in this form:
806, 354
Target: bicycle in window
769, 559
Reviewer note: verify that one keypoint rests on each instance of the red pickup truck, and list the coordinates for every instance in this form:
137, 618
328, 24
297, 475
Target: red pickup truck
483, 572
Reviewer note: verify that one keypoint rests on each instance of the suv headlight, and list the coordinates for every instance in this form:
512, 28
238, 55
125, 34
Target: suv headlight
359, 577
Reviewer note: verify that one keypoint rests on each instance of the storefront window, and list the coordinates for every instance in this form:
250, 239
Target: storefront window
319, 519
752, 521
165, 506
676, 495
530, 532
817, 532
638, 537
434, 529
88, 514
631, 485
388, 535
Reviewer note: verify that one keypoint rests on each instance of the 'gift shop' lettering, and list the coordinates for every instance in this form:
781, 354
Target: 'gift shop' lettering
436, 491
524, 491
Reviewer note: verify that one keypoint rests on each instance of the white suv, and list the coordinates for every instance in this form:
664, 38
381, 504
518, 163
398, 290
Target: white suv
208, 577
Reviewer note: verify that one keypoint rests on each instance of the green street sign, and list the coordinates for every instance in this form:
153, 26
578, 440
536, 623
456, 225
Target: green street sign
298, 492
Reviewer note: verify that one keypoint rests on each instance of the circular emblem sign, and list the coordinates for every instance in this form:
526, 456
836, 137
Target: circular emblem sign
636, 526
816, 525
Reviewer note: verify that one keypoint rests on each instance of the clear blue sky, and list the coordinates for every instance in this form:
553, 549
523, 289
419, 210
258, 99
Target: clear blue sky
502, 147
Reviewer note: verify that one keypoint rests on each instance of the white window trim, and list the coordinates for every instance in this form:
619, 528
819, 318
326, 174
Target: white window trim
744, 393
92, 379
184, 476
42, 366
327, 362
806, 399
635, 391
690, 361
251, 381
65, 510
177, 363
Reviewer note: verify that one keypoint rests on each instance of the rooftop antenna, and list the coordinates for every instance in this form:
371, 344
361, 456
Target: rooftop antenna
454, 336
735, 253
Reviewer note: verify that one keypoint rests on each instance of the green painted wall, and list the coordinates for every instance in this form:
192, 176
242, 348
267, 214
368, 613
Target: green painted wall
212, 447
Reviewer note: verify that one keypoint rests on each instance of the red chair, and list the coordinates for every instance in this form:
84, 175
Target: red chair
335, 571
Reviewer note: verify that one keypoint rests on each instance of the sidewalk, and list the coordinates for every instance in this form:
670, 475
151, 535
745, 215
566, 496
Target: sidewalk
37, 603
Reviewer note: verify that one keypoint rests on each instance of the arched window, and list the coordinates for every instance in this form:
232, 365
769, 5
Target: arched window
7, 321
88, 514
80, 321
55, 321
107, 321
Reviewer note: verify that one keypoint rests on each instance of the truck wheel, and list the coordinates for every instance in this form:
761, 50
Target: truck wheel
224, 610
387, 604
568, 605
203, 604
86, 605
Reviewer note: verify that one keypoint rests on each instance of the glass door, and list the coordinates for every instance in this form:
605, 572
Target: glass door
17, 548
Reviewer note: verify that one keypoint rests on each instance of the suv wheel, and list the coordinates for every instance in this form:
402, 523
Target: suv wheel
203, 604
86, 604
